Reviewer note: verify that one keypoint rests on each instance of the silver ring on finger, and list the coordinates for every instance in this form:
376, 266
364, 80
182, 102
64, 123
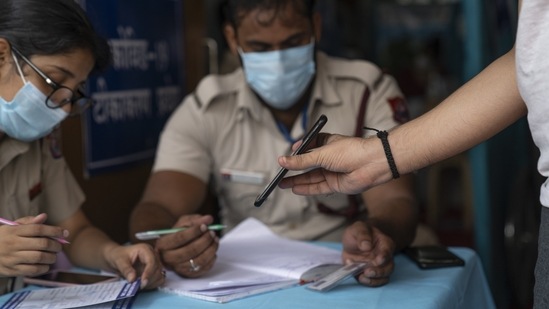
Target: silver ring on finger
194, 267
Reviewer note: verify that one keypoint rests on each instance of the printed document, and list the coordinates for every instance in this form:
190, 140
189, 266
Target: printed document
252, 259
100, 295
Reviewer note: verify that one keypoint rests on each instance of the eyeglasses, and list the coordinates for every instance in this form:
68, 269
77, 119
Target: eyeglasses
61, 95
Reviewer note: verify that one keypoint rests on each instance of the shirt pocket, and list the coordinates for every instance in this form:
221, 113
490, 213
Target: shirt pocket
19, 205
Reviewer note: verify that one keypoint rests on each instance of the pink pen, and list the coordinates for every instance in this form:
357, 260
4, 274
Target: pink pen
8, 222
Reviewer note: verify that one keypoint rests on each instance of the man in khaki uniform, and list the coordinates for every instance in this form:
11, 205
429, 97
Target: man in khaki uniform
231, 130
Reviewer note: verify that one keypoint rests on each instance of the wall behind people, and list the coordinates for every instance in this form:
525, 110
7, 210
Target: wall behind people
111, 195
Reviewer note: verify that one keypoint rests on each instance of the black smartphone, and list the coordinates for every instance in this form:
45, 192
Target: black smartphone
61, 278
427, 257
306, 141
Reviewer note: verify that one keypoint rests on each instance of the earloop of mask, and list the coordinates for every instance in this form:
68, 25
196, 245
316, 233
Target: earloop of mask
18, 68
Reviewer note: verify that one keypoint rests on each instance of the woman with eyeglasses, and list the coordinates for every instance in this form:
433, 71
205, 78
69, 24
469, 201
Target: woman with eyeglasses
47, 51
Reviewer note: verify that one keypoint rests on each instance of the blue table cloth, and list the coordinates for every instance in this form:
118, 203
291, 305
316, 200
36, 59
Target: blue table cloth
409, 287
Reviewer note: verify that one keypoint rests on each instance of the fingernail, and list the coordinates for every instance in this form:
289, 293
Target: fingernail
66, 233
203, 227
212, 233
144, 283
370, 273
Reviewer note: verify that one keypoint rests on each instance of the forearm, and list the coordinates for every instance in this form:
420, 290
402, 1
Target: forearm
150, 216
475, 112
89, 247
398, 220
401, 230
392, 208
168, 196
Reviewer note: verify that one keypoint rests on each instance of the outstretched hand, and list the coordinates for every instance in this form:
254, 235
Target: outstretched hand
339, 164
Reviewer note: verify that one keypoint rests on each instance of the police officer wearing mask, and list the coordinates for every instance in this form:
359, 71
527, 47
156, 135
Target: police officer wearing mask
46, 54
229, 132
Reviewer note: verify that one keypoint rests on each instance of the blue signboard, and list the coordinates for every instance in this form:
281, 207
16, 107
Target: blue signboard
135, 96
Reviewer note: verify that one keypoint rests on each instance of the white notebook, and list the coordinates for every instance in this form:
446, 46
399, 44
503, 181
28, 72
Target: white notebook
252, 259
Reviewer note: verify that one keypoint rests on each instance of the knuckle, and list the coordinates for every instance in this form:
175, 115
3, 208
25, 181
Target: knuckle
43, 243
34, 229
44, 257
193, 252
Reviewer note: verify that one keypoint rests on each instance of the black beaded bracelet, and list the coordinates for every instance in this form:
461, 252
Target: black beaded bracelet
383, 137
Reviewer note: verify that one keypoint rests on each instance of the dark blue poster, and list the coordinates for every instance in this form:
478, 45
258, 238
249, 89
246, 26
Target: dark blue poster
135, 96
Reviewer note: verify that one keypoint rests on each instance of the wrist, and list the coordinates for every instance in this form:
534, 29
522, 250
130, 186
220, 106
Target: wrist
384, 138
378, 171
107, 252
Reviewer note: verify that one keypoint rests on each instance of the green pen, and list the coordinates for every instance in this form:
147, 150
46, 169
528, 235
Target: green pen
157, 233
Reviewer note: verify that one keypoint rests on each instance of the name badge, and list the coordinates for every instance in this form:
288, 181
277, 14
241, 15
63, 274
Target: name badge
253, 178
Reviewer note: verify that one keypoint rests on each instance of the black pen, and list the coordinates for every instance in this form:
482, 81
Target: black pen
306, 141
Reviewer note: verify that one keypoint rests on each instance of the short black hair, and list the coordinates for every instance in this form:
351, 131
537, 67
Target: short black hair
38, 27
235, 10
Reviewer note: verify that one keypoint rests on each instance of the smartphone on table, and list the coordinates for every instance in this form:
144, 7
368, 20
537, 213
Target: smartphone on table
427, 257
282, 171
61, 278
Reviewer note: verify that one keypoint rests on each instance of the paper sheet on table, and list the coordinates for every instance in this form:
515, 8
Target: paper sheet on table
76, 296
252, 259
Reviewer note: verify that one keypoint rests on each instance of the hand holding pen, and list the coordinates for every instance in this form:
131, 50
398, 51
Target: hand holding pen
190, 248
26, 247
61, 240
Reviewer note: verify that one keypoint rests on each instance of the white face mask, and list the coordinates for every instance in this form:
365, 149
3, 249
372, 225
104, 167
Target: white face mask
26, 117
280, 77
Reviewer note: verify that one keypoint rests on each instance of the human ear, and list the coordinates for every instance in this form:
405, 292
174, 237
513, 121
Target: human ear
230, 36
5, 52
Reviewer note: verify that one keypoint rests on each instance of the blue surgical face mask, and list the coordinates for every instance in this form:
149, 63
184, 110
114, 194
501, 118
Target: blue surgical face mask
280, 77
26, 117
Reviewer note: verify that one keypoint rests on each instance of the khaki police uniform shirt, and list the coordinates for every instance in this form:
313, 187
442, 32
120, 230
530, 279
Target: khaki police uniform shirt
222, 133
34, 178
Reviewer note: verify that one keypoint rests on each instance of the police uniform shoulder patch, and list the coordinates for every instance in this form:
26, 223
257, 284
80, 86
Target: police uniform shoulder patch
399, 108
54, 143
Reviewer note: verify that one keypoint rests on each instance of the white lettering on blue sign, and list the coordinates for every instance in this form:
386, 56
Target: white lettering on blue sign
130, 53
122, 106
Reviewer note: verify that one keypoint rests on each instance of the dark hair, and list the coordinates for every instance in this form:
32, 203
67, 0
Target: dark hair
38, 27
235, 10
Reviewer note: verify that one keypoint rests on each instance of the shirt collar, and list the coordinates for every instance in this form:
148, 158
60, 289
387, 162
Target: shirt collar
11, 148
247, 100
324, 90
